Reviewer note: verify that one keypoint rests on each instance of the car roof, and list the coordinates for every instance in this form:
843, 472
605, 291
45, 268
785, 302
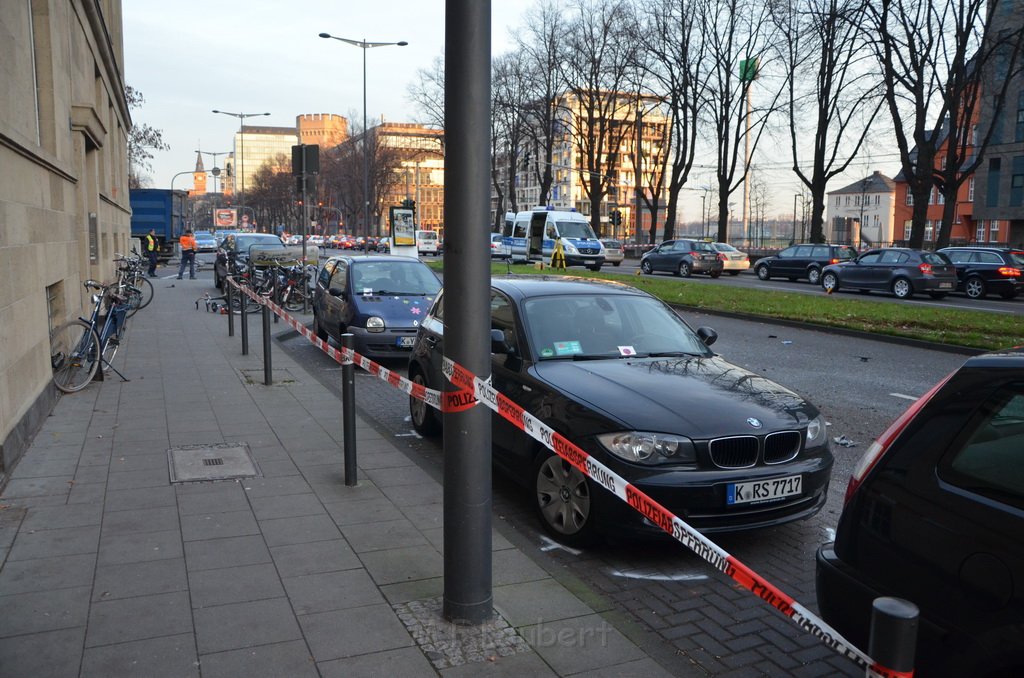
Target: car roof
370, 258
526, 286
981, 248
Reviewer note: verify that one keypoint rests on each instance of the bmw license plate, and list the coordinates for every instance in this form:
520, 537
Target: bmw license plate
946, 286
763, 490
406, 342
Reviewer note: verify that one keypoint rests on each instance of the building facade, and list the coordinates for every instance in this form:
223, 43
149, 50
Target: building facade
862, 213
325, 130
417, 173
255, 145
64, 209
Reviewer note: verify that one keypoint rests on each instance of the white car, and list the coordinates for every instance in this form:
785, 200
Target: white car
733, 261
499, 250
613, 253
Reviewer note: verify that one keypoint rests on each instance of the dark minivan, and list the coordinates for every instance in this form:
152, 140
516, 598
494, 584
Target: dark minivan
803, 261
980, 270
934, 514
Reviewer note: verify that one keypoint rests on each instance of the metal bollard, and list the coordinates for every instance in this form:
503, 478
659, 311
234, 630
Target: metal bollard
242, 298
267, 379
348, 413
277, 291
893, 639
231, 310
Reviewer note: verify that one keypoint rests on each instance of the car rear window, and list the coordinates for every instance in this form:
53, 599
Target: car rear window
1016, 258
614, 244
934, 258
845, 252
991, 462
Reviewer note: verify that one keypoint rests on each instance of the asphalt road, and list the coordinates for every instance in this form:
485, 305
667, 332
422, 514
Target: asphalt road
698, 622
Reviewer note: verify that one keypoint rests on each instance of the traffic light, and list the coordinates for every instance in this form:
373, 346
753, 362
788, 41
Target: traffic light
616, 217
409, 204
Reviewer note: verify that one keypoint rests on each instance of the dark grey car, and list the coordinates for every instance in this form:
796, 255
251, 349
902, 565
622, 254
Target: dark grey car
683, 257
899, 270
803, 261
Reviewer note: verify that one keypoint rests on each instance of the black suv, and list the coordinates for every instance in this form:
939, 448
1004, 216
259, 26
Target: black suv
803, 261
683, 257
934, 514
980, 270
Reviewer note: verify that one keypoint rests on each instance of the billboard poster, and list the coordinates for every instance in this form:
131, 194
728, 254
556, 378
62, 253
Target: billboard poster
225, 218
403, 231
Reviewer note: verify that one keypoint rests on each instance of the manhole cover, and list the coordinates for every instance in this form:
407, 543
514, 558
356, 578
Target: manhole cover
278, 377
190, 463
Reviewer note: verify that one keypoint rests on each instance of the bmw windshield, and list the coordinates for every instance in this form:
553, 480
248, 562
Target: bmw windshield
580, 327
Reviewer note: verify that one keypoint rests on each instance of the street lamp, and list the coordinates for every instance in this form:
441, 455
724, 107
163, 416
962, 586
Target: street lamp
216, 173
241, 151
366, 128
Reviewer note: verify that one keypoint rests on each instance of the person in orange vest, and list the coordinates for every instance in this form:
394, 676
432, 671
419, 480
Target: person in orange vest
151, 251
187, 244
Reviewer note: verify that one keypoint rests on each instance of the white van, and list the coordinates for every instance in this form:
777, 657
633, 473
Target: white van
426, 242
532, 235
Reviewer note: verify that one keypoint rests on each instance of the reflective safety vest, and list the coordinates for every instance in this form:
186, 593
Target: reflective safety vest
187, 242
150, 243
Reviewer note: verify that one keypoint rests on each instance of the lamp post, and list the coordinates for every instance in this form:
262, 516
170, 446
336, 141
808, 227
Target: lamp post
366, 127
795, 196
241, 152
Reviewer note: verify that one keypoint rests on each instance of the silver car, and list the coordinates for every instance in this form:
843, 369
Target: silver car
613, 253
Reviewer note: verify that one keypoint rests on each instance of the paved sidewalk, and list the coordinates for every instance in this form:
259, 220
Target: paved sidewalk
110, 569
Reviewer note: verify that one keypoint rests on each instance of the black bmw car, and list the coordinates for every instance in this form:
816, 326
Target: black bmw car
619, 373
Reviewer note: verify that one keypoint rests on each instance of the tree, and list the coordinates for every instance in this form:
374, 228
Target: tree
141, 140
930, 55
427, 92
598, 78
735, 31
670, 36
508, 129
823, 48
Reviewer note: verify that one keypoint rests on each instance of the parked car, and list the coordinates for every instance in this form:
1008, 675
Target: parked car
900, 270
683, 258
619, 373
384, 244
379, 299
803, 261
499, 250
205, 242
980, 270
234, 252
734, 262
613, 253
934, 514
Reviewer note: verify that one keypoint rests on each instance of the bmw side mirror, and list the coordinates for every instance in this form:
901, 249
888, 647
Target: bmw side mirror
707, 335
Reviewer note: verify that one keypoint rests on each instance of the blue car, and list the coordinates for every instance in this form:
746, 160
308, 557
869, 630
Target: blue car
379, 299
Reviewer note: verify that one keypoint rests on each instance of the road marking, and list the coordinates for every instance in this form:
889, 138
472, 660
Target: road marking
657, 576
904, 396
410, 434
550, 545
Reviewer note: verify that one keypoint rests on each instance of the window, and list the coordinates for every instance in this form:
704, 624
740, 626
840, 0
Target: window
503, 319
878, 199
993, 230
989, 460
910, 196
837, 200
940, 197
847, 201
970, 190
871, 258
929, 230
979, 234
908, 228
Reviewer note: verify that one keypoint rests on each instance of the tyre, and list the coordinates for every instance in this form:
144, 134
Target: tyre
74, 355
134, 297
974, 287
564, 500
901, 288
684, 269
425, 419
146, 288
646, 267
293, 300
734, 272
937, 295
715, 274
616, 263
762, 272
814, 276
830, 282
595, 268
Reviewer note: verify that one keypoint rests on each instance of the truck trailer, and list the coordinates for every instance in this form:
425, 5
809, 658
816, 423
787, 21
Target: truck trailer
162, 210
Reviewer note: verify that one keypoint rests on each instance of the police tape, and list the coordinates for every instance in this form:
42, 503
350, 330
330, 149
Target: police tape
447, 401
472, 389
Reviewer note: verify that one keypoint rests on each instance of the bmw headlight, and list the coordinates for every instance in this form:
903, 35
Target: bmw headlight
375, 324
816, 432
569, 247
651, 449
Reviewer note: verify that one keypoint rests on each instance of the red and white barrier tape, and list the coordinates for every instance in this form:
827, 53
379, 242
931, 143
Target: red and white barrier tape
484, 392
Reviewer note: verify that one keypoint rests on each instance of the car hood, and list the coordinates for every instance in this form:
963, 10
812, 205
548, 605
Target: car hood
701, 397
404, 310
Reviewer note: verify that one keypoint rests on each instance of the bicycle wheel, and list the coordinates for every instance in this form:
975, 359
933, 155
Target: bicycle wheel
133, 295
146, 288
74, 355
293, 299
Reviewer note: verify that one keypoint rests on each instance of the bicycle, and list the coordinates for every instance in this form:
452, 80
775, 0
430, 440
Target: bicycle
132, 282
79, 347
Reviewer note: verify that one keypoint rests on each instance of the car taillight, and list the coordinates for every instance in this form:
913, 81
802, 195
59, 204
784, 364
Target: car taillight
721, 257
1009, 271
925, 268
882, 442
